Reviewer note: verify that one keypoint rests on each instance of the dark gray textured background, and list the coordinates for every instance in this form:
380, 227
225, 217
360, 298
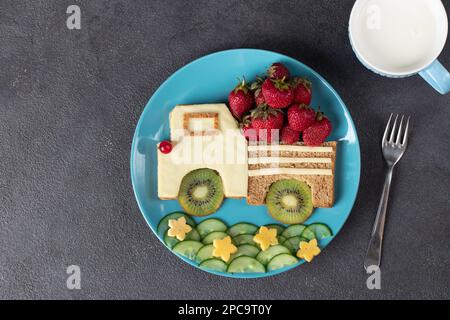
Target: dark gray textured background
69, 103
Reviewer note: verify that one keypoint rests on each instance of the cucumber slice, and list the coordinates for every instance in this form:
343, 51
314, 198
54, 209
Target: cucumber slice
279, 228
211, 225
163, 225
281, 261
172, 241
245, 264
320, 230
293, 244
244, 239
242, 228
205, 253
188, 248
281, 239
209, 239
265, 256
214, 265
308, 234
245, 250
295, 230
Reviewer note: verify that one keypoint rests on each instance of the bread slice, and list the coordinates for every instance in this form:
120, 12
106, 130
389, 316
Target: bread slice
315, 166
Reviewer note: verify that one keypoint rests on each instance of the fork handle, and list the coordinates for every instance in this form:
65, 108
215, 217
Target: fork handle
373, 255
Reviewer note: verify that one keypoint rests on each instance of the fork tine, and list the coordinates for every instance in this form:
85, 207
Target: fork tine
399, 134
391, 139
386, 131
405, 137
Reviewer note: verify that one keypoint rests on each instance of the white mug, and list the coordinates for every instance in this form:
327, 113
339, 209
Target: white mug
401, 38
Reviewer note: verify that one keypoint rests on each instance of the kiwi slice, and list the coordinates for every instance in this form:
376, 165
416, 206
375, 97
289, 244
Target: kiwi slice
201, 192
289, 201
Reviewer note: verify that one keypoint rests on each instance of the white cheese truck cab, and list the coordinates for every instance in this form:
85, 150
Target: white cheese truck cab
204, 136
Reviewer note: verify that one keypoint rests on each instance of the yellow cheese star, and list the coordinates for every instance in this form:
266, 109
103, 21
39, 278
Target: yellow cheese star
223, 248
266, 237
308, 250
178, 228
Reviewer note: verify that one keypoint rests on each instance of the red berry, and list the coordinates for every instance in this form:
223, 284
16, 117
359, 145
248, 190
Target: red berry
289, 136
277, 93
249, 132
267, 122
302, 91
259, 97
278, 71
318, 132
241, 100
301, 117
165, 147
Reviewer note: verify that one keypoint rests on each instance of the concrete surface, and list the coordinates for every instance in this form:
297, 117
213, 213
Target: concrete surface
69, 103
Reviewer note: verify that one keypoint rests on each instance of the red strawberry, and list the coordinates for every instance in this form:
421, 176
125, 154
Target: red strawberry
241, 100
289, 136
278, 71
247, 129
302, 91
318, 132
266, 120
256, 87
277, 93
259, 97
301, 117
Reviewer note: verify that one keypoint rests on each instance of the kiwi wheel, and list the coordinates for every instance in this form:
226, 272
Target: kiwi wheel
201, 192
289, 201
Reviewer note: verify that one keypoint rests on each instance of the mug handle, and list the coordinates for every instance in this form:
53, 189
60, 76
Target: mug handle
437, 76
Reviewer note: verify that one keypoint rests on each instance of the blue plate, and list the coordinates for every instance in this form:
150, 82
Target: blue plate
209, 80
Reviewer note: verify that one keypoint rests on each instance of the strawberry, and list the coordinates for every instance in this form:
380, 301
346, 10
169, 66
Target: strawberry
278, 71
266, 120
301, 117
318, 132
259, 97
289, 136
277, 93
256, 87
247, 129
302, 91
241, 100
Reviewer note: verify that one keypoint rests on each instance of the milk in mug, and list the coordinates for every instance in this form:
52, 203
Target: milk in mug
399, 37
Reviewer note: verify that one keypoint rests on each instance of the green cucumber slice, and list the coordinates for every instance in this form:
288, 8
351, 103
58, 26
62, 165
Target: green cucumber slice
214, 265
163, 225
279, 228
172, 241
188, 248
265, 256
295, 230
245, 264
242, 228
205, 253
293, 244
245, 250
244, 239
320, 230
210, 225
281, 261
209, 239
281, 239
308, 234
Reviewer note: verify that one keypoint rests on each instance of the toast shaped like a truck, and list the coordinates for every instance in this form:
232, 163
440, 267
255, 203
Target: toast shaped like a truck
210, 160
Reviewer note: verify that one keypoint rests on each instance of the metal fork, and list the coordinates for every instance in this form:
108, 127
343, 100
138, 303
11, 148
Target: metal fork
393, 145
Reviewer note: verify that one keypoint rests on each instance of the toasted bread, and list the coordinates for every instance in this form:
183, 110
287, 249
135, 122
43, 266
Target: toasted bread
315, 166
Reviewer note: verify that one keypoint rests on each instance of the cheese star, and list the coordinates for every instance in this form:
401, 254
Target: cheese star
223, 248
308, 250
178, 228
266, 237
